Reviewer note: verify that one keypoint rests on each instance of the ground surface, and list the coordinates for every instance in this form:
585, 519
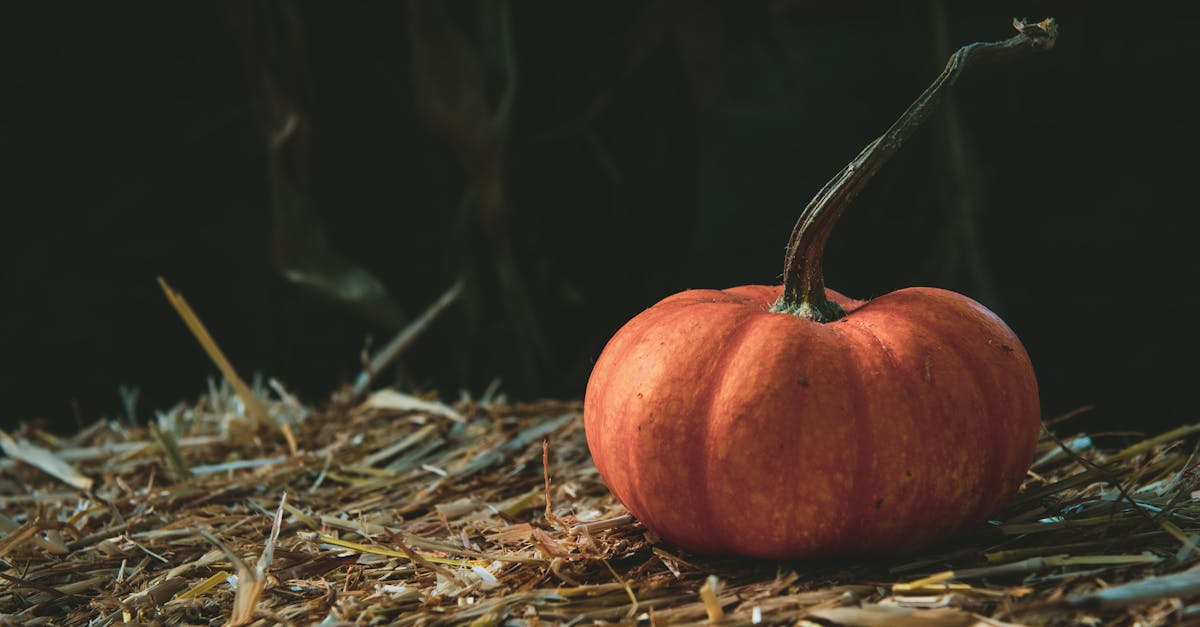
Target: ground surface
400, 510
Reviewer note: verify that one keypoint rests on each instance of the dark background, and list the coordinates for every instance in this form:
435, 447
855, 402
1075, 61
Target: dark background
649, 147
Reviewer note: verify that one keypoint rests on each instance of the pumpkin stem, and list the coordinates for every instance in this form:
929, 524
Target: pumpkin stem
803, 282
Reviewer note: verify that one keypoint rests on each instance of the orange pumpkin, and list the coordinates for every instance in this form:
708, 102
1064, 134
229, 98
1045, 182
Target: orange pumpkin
791, 421
727, 428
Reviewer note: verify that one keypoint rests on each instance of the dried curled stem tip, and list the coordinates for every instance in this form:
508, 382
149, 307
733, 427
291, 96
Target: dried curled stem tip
1046, 29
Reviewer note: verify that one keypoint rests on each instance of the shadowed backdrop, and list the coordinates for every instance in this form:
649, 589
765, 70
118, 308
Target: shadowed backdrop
311, 176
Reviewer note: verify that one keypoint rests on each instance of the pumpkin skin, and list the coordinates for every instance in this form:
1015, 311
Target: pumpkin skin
729, 429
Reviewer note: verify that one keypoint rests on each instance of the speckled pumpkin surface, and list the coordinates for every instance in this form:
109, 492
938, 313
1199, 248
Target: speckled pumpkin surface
727, 428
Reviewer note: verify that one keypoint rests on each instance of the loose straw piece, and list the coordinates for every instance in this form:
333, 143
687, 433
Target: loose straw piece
45, 460
254, 407
550, 517
708, 594
1031, 565
392, 350
1183, 584
633, 600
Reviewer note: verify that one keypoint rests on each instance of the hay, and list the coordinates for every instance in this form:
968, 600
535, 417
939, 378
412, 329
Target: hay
403, 510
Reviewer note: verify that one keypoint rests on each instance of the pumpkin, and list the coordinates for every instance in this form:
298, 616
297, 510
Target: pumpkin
791, 421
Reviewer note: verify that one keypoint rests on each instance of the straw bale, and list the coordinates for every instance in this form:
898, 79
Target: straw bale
404, 510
